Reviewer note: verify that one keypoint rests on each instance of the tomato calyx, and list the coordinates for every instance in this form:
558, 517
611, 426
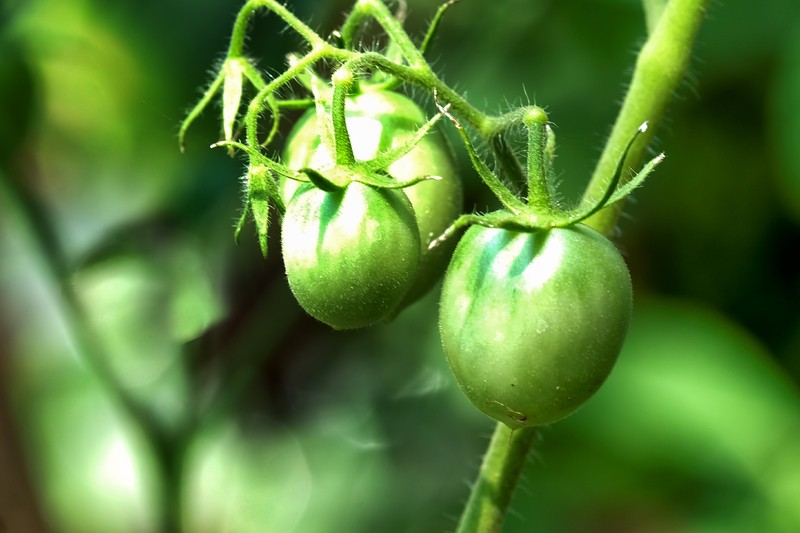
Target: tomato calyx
540, 212
330, 103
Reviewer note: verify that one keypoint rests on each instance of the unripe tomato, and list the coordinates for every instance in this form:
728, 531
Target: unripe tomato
350, 255
377, 121
532, 322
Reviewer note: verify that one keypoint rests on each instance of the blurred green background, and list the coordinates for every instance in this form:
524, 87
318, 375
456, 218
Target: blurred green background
155, 376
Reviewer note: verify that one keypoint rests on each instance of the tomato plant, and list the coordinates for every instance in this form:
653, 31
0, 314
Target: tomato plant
377, 121
350, 254
532, 322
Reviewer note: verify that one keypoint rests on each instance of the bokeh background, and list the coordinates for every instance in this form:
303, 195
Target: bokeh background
155, 376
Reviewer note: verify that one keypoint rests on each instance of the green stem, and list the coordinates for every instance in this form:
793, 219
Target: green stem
660, 67
423, 77
394, 30
343, 81
497, 480
236, 46
257, 103
539, 193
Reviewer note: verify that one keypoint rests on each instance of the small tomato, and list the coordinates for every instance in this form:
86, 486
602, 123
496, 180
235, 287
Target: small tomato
350, 255
377, 121
532, 322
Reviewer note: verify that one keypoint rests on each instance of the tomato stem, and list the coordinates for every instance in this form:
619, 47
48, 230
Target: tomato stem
659, 70
497, 479
540, 195
343, 81
380, 12
243, 18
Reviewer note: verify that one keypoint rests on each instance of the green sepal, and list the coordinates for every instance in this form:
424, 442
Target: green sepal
343, 81
613, 194
636, 180
258, 200
382, 180
508, 164
320, 181
506, 197
237, 231
495, 219
233, 72
385, 160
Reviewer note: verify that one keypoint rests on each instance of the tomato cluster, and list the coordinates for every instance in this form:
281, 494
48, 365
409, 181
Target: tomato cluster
535, 305
350, 255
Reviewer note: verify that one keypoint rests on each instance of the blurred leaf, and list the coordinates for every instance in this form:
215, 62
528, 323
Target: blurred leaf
195, 303
241, 481
92, 467
126, 304
99, 134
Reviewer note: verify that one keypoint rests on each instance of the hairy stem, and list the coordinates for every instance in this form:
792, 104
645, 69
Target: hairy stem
243, 18
660, 68
497, 480
257, 103
539, 193
393, 28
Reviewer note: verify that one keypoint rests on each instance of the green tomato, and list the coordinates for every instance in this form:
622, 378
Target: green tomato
377, 121
532, 322
350, 255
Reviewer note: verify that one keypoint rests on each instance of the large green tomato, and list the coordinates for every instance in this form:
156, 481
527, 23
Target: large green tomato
350, 255
377, 121
532, 322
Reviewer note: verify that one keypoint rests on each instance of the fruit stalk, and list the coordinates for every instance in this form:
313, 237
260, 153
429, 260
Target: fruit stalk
500, 471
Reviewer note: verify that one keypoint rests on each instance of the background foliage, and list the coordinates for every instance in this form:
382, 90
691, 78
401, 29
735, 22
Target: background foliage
154, 373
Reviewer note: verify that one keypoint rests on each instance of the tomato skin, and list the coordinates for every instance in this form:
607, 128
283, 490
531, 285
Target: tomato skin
377, 121
532, 323
350, 255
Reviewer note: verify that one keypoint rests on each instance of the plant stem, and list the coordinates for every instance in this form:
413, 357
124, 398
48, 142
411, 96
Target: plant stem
539, 193
394, 30
236, 46
660, 68
257, 103
497, 480
343, 82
